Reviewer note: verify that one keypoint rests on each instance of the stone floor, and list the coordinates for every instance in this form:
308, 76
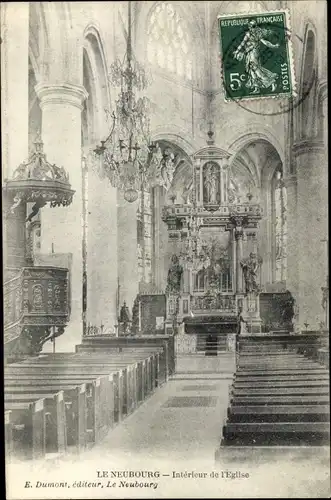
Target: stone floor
174, 433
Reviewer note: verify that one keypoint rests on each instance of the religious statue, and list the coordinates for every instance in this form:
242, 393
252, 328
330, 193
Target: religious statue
174, 276
165, 166
288, 308
211, 183
168, 169
125, 317
250, 268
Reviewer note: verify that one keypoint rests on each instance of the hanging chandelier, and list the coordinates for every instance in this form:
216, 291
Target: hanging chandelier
128, 156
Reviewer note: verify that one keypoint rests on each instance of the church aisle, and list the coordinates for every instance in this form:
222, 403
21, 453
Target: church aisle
180, 421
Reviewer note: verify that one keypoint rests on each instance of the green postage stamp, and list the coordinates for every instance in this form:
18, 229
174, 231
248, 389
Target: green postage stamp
256, 55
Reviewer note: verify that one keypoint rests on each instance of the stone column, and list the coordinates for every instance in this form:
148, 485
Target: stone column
127, 256
61, 227
311, 228
292, 236
14, 85
234, 259
239, 255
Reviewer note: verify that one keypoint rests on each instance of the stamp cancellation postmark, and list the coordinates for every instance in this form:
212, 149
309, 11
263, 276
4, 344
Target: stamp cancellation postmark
256, 55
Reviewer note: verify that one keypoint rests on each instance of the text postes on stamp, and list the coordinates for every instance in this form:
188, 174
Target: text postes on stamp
256, 56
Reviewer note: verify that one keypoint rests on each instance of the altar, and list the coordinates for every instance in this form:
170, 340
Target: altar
214, 268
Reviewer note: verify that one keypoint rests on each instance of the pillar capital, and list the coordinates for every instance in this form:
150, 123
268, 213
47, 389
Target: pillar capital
61, 93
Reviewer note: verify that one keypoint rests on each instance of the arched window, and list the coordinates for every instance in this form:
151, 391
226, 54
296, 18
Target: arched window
168, 43
279, 206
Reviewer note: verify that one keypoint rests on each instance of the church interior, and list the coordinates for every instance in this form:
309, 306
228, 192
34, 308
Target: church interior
165, 250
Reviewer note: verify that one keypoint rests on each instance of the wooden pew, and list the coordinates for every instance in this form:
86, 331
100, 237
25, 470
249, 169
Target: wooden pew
75, 401
286, 383
28, 425
144, 355
281, 372
278, 397
150, 372
126, 379
249, 391
284, 433
101, 388
260, 378
54, 415
283, 400
273, 413
60, 366
96, 400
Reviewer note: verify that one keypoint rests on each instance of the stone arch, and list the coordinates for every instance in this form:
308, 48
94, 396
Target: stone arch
38, 39
254, 132
176, 135
261, 154
96, 82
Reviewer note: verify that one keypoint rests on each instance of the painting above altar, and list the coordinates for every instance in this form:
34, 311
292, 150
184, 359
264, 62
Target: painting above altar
216, 273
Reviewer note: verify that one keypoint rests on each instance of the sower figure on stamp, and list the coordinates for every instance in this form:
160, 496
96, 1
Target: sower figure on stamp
258, 77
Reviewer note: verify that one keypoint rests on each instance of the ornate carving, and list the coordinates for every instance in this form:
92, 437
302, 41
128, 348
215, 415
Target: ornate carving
34, 301
57, 297
39, 181
37, 297
48, 319
214, 302
31, 340
223, 215
38, 167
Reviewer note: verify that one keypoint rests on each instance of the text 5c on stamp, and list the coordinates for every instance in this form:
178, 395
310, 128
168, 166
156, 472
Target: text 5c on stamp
256, 55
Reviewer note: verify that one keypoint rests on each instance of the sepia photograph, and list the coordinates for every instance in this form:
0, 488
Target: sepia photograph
165, 249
